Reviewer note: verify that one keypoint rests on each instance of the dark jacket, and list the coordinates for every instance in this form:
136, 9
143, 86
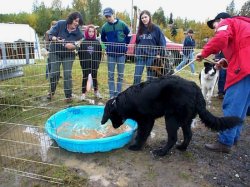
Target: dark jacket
60, 30
188, 45
90, 50
150, 43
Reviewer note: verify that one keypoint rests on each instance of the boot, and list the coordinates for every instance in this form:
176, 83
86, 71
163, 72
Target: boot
218, 147
50, 95
68, 100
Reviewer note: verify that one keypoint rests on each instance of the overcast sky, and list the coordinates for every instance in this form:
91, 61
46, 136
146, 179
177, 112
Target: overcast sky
198, 10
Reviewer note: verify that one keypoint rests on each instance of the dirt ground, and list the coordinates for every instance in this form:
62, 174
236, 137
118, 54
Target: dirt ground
194, 168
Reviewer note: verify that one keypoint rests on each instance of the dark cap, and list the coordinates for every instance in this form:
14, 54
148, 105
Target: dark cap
222, 15
190, 31
108, 11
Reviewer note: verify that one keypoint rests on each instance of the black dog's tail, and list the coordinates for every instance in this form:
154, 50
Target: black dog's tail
211, 121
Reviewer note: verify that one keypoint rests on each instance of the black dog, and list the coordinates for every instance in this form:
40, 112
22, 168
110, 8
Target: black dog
173, 97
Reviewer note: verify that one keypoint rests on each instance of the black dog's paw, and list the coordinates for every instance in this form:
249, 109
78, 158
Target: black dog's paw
159, 152
181, 147
134, 147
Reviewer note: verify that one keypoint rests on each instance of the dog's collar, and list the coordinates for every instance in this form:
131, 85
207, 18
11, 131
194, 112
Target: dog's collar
114, 103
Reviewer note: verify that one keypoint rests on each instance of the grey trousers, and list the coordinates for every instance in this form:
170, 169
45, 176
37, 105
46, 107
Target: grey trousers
67, 62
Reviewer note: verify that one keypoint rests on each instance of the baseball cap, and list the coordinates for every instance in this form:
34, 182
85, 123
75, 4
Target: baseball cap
222, 15
108, 11
190, 31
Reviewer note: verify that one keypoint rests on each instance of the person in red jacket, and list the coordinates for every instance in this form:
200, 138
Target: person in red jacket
232, 37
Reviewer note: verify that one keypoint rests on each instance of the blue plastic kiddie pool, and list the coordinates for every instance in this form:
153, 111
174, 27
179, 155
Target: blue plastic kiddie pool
87, 118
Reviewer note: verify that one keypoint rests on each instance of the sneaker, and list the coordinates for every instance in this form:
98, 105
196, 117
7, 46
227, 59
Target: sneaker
68, 100
50, 95
83, 97
194, 74
98, 95
218, 147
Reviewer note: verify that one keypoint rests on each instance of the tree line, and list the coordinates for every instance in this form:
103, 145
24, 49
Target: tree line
91, 10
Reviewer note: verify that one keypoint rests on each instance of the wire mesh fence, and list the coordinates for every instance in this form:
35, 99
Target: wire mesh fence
24, 152
26, 81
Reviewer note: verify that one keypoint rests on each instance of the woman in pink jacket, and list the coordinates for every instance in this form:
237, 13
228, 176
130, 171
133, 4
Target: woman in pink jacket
232, 37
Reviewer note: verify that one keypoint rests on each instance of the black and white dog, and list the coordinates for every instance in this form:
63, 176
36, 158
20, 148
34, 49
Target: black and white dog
208, 79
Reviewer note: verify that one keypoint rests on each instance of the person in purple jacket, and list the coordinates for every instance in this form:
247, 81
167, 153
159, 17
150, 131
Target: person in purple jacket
150, 44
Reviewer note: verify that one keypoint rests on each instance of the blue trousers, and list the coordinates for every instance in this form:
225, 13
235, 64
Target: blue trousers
186, 60
112, 62
141, 62
236, 103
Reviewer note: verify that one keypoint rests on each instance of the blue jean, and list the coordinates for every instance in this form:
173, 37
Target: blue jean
112, 62
221, 81
235, 103
185, 60
141, 62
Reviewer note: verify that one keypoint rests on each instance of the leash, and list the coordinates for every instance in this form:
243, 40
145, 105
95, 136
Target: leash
214, 63
208, 60
216, 82
184, 67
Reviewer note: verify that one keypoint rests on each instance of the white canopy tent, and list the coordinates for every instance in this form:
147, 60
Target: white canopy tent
19, 45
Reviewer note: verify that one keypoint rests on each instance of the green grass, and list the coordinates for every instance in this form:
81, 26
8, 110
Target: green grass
23, 99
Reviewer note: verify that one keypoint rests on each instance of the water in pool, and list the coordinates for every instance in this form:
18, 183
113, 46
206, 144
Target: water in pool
89, 128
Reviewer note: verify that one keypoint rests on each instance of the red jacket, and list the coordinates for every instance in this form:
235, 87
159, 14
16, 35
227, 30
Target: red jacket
233, 39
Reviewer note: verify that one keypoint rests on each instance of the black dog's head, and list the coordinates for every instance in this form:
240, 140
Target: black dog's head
110, 112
